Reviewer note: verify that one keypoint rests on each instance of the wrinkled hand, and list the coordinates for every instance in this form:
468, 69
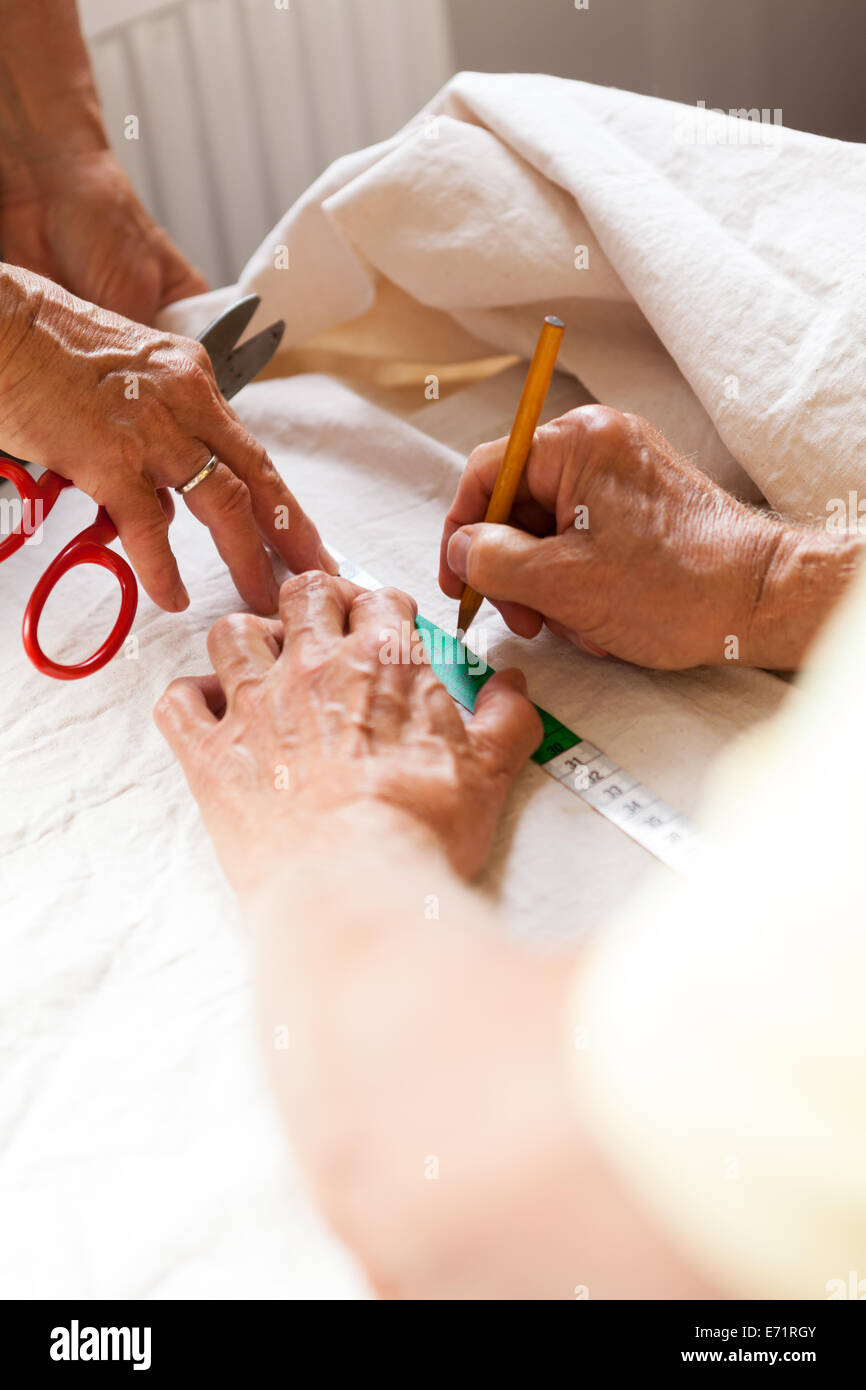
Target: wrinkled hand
623, 545
304, 720
125, 412
78, 220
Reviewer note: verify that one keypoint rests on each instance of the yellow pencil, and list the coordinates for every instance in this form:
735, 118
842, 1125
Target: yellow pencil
519, 444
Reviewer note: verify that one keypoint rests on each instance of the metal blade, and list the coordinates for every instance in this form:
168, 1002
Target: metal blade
221, 335
248, 360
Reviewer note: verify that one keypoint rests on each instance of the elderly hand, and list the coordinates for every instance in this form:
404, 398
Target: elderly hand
77, 219
304, 721
125, 412
67, 210
625, 547
333, 786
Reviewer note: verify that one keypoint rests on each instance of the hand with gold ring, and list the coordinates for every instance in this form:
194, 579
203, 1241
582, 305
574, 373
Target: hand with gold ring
126, 413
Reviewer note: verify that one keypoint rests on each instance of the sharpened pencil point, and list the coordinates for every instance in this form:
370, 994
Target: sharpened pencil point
469, 606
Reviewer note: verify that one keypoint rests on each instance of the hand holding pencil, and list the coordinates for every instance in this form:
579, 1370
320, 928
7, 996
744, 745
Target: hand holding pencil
519, 444
618, 543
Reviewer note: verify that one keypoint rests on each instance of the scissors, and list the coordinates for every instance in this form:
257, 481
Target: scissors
233, 368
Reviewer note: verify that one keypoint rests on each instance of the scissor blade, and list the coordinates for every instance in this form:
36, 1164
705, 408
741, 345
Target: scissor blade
248, 360
223, 332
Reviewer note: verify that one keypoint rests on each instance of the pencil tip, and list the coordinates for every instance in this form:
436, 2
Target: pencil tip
469, 606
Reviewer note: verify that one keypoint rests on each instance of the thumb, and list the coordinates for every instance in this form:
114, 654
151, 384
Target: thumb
505, 726
501, 562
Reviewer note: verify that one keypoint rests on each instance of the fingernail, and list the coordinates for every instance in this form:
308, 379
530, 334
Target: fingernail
180, 597
327, 562
274, 591
458, 553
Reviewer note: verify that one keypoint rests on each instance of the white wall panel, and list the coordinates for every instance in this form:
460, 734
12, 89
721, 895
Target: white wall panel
120, 97
225, 82
241, 104
287, 119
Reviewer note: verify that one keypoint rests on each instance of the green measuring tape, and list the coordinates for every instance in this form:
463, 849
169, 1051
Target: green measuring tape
448, 658
572, 761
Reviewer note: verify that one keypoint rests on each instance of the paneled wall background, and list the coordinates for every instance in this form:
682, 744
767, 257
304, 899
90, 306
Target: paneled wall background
241, 104
805, 56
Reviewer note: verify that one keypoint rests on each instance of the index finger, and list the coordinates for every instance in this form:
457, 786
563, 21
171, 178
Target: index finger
470, 504
473, 495
279, 516
314, 608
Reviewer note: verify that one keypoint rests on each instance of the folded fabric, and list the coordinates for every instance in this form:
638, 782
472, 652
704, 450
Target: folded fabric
709, 269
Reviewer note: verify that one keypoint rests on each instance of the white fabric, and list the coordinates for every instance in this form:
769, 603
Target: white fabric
139, 1151
724, 285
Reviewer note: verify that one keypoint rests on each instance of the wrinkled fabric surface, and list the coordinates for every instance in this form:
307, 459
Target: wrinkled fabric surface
139, 1154
709, 269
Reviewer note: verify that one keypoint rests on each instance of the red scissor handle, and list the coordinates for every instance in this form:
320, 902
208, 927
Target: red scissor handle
88, 548
38, 496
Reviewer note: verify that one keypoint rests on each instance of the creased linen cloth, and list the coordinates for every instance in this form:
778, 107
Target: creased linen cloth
139, 1154
709, 269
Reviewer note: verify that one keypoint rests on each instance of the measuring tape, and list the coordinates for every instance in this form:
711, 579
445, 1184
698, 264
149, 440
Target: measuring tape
566, 757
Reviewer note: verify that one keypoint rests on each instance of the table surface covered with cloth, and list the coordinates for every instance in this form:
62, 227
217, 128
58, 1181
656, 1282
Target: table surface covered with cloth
712, 285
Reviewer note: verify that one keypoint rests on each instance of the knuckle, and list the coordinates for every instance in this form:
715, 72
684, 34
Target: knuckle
191, 378
155, 349
478, 567
311, 582
247, 691
152, 528
366, 597
602, 420
261, 466
130, 445
477, 458
234, 499
482, 453
637, 430
230, 628
397, 597
197, 355
168, 701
